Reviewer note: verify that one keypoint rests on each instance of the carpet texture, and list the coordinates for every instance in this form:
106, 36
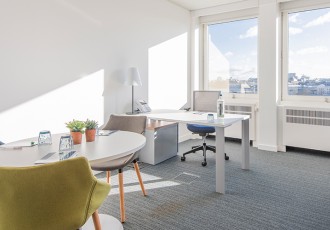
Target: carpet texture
280, 191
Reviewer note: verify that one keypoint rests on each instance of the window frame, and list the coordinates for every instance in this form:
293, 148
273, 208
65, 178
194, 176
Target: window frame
225, 18
295, 7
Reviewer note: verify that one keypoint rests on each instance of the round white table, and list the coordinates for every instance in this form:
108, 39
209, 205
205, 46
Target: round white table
117, 144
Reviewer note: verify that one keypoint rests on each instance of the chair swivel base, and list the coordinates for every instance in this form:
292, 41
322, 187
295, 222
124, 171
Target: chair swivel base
204, 148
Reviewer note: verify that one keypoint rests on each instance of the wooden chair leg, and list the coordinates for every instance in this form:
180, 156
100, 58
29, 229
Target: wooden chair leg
137, 170
121, 195
108, 177
96, 220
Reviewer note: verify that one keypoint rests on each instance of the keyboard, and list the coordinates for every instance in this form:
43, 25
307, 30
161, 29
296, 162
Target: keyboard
67, 155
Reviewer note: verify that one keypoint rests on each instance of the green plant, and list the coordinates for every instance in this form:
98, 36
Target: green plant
91, 124
76, 126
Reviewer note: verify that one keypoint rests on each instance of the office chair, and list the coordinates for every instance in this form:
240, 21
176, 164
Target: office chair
203, 101
135, 124
203, 131
61, 195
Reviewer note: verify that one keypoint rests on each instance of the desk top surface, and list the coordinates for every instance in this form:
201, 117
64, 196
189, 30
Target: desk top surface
116, 145
199, 118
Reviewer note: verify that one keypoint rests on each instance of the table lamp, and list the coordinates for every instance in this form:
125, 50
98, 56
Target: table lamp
133, 79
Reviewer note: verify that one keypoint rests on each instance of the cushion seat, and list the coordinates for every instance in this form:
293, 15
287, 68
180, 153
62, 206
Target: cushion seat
114, 164
200, 129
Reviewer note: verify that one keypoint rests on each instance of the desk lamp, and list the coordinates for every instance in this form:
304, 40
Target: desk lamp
133, 79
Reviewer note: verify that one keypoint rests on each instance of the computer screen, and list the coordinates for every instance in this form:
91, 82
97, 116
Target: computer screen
205, 101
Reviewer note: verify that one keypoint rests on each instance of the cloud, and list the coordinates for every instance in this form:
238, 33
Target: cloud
251, 32
236, 69
293, 18
250, 71
229, 54
319, 21
242, 72
253, 53
294, 30
313, 50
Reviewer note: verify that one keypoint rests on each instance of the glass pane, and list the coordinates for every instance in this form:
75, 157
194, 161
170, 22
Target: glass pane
232, 51
309, 57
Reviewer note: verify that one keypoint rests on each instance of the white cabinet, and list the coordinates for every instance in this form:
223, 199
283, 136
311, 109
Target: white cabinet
162, 142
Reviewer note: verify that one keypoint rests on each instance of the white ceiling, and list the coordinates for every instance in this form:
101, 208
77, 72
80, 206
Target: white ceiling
201, 4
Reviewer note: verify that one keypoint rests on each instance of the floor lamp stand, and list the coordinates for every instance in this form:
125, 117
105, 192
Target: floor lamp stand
133, 112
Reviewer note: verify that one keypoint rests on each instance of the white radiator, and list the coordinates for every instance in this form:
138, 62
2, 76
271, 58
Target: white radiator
235, 131
307, 128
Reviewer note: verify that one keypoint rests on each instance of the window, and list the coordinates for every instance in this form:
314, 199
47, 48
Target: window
232, 57
306, 65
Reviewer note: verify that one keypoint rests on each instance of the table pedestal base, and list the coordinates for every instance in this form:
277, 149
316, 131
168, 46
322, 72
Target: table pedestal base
107, 222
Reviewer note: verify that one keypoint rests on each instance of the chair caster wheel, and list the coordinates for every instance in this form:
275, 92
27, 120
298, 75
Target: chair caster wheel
226, 158
183, 158
204, 163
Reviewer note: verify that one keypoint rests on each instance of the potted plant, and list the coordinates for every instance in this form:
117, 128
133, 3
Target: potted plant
90, 131
76, 130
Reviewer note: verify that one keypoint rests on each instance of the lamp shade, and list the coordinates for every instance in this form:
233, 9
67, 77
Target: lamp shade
133, 78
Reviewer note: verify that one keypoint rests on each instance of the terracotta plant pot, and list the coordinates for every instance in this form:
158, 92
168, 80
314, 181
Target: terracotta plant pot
76, 137
90, 135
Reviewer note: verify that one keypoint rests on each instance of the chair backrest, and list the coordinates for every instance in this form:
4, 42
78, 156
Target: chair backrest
61, 195
135, 124
205, 101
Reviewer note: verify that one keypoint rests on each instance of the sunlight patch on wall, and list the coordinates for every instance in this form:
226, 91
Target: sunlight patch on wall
79, 100
196, 84
168, 74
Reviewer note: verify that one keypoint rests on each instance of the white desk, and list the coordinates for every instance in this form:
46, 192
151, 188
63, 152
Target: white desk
220, 125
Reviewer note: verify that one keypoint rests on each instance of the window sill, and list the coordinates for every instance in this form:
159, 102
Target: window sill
305, 105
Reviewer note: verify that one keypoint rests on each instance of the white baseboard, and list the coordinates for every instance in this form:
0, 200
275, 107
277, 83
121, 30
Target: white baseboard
281, 148
272, 148
185, 137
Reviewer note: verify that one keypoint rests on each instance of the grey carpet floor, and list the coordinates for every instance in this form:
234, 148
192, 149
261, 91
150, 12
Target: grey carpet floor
280, 191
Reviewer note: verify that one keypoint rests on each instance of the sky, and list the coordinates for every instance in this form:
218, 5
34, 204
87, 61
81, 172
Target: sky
309, 44
237, 41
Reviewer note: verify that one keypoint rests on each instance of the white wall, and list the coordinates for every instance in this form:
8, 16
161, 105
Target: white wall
58, 50
268, 74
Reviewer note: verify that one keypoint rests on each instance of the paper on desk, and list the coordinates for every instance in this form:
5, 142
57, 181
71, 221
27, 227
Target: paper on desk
106, 132
17, 145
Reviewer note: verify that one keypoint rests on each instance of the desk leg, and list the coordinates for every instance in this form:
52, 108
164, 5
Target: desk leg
245, 145
220, 160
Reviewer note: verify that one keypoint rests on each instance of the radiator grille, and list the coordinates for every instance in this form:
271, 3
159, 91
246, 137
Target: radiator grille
235, 131
239, 109
308, 117
307, 113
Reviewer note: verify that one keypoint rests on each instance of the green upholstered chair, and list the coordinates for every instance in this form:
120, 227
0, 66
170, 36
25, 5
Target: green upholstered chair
61, 195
